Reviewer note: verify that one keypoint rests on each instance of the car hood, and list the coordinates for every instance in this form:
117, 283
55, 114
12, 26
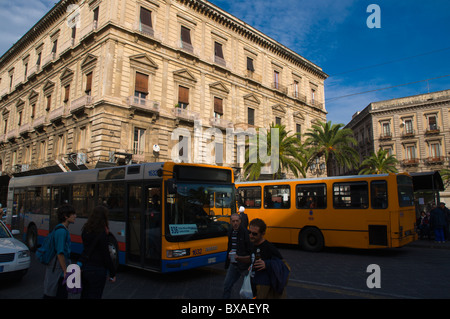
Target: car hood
11, 245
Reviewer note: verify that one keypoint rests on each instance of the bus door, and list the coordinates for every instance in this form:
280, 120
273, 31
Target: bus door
144, 225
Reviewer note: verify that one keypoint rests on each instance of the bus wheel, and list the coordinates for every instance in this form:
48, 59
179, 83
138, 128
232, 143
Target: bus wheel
31, 239
311, 239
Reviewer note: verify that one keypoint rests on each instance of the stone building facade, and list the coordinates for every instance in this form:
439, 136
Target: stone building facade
416, 129
110, 81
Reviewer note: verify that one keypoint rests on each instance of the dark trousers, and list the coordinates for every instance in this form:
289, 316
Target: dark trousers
93, 281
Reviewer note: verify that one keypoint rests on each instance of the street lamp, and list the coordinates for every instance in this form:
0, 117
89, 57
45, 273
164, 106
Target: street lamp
317, 167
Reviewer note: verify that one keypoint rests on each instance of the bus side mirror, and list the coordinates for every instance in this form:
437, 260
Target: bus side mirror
171, 186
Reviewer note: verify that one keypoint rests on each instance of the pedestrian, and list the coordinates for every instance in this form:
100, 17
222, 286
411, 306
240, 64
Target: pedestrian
271, 272
96, 260
55, 271
244, 217
424, 225
238, 254
438, 222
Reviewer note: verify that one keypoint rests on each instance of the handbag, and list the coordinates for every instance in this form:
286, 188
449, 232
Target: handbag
246, 289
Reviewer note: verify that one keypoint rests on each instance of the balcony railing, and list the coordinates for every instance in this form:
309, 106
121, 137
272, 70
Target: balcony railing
385, 136
39, 122
143, 104
435, 160
408, 133
185, 114
410, 162
24, 129
13, 134
279, 87
253, 76
432, 129
80, 103
56, 114
220, 122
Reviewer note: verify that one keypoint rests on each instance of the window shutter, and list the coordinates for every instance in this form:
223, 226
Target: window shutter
146, 17
66, 93
250, 66
183, 95
218, 50
185, 35
141, 84
218, 105
88, 82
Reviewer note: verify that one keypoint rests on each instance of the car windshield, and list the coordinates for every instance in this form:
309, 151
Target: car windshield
189, 212
3, 231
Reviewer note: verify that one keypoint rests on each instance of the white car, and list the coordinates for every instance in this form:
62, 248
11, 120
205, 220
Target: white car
14, 255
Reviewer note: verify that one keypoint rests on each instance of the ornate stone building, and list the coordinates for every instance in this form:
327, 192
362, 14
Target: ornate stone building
416, 129
100, 82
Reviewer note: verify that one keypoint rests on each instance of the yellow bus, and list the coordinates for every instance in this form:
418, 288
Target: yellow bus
159, 213
369, 211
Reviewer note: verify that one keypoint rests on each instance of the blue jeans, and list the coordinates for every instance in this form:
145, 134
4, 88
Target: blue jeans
233, 275
439, 234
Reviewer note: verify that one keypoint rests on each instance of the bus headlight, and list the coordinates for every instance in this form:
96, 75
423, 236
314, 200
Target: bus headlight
177, 253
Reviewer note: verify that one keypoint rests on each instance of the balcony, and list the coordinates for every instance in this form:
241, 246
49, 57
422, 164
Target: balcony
12, 135
24, 129
91, 27
410, 162
185, 114
408, 133
147, 31
39, 122
435, 160
279, 87
48, 59
143, 105
80, 104
56, 114
298, 96
251, 75
385, 136
432, 129
220, 123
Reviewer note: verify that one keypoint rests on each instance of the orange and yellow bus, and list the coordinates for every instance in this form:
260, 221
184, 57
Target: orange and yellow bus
362, 211
159, 213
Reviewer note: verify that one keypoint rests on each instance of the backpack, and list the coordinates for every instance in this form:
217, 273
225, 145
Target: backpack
47, 251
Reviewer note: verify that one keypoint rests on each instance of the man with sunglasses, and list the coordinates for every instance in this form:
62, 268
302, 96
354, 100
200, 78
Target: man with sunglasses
271, 271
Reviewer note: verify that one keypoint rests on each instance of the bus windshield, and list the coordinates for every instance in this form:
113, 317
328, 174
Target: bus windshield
188, 212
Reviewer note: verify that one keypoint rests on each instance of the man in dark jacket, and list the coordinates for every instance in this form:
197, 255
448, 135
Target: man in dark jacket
438, 222
238, 254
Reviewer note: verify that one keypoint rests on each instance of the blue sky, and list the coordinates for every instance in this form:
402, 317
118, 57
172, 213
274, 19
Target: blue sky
412, 44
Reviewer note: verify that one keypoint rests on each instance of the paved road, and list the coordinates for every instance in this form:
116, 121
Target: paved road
408, 272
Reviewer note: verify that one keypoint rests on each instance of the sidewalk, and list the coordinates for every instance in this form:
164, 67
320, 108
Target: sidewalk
426, 243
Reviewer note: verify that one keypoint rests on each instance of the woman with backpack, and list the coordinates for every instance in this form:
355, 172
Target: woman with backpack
96, 260
55, 270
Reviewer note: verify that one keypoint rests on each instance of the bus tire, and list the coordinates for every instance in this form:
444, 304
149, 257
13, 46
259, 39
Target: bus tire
31, 239
311, 239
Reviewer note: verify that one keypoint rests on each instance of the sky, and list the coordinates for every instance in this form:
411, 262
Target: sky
408, 54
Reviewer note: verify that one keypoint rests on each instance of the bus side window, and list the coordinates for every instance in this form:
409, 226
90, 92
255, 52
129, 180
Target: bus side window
277, 196
379, 194
311, 196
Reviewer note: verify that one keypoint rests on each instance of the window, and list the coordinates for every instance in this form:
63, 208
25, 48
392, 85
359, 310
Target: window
386, 129
139, 141
141, 87
313, 95
277, 196
311, 196
66, 93
378, 194
435, 150
276, 79
298, 130
218, 107
186, 39
218, 53
410, 152
88, 83
250, 66
112, 195
250, 197
183, 97
96, 14
74, 34
277, 120
409, 127
432, 123
38, 60
251, 116
405, 191
19, 120
350, 195
296, 86
25, 72
33, 110
218, 148
55, 46
146, 21
183, 148
49, 103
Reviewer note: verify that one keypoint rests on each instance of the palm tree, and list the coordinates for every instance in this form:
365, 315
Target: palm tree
379, 163
289, 159
333, 142
445, 174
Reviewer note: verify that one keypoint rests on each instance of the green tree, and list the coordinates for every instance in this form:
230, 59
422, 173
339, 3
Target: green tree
289, 156
445, 174
379, 163
332, 141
